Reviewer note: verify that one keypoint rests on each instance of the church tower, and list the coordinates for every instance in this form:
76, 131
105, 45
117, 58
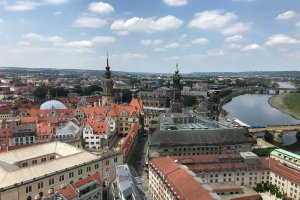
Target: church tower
176, 98
107, 96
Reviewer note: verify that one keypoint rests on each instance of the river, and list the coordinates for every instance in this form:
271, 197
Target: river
255, 110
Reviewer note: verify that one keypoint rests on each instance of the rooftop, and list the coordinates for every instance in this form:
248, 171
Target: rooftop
58, 148
129, 185
183, 184
286, 155
69, 157
52, 104
186, 129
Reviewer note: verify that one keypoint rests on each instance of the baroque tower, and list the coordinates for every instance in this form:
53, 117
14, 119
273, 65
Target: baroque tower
107, 96
176, 98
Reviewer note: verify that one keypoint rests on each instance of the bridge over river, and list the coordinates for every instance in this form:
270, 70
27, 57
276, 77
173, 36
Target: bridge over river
275, 128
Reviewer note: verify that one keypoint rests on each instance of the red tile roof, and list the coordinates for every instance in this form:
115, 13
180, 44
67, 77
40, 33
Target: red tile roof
127, 143
182, 184
44, 129
68, 192
114, 110
94, 177
284, 171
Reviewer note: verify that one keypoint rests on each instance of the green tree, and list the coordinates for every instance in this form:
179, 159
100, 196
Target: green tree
189, 101
41, 91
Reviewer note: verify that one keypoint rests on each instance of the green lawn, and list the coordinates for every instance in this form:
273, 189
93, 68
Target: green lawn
292, 103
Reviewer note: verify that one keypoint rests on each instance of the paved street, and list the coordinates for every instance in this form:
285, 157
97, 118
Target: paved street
139, 162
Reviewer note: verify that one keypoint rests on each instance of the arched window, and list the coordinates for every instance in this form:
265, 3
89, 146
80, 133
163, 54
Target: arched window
29, 198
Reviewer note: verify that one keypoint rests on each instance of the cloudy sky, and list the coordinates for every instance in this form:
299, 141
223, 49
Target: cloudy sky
151, 35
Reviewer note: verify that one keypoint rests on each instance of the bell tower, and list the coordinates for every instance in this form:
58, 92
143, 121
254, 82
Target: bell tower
176, 98
107, 96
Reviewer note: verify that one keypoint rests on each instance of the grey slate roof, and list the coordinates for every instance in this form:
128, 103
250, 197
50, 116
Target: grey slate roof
199, 137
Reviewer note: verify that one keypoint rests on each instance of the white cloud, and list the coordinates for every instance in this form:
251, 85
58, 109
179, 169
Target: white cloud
76, 44
22, 5
129, 56
212, 19
100, 7
54, 1
23, 43
148, 25
281, 39
236, 28
286, 15
124, 33
1, 20
158, 49
151, 42
176, 2
103, 39
200, 41
216, 52
173, 58
183, 37
235, 38
172, 45
89, 22
298, 24
42, 38
251, 47
234, 46
57, 13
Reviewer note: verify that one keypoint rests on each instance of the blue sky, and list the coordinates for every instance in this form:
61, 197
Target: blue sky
151, 35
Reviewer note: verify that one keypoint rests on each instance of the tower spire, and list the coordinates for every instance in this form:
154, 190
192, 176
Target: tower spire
107, 72
177, 69
107, 64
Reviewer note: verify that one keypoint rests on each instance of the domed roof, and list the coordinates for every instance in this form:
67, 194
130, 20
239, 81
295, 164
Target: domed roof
52, 104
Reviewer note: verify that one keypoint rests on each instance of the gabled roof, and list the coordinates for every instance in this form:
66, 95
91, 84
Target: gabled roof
127, 143
183, 185
284, 171
95, 177
99, 127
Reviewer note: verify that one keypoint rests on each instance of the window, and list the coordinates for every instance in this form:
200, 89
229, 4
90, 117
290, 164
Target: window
40, 185
71, 174
79, 171
28, 189
34, 162
96, 166
61, 177
88, 169
115, 160
24, 164
51, 181
43, 159
107, 162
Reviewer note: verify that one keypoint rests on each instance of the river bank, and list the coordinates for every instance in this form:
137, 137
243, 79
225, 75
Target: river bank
278, 102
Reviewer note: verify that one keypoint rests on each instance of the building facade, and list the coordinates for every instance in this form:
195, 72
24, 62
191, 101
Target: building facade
285, 172
184, 135
169, 181
32, 172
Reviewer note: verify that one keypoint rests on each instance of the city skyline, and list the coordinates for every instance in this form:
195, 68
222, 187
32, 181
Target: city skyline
151, 36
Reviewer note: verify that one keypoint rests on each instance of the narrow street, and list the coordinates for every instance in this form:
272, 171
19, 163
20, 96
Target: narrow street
139, 162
